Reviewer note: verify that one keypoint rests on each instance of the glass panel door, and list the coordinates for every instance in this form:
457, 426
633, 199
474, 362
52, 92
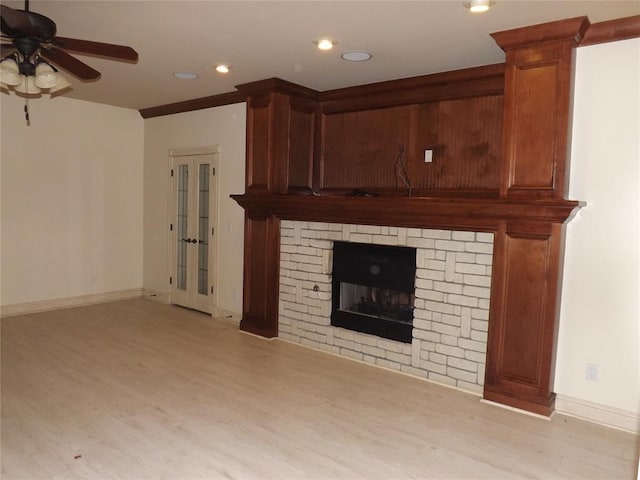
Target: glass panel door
203, 229
193, 215
183, 240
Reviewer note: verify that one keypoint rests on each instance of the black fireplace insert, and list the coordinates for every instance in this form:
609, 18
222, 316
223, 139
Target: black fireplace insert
373, 289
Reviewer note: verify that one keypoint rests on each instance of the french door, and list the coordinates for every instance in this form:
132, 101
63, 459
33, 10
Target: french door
192, 228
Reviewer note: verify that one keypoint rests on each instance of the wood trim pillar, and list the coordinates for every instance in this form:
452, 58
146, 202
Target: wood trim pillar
537, 103
276, 111
261, 273
523, 318
528, 255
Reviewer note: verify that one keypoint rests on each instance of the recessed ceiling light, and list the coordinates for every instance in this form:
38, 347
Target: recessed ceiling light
222, 68
325, 43
185, 75
479, 6
356, 56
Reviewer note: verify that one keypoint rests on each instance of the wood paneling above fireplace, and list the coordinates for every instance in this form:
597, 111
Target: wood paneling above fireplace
352, 139
499, 136
361, 149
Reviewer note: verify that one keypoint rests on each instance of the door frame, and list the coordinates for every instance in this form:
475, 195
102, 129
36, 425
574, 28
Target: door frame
214, 202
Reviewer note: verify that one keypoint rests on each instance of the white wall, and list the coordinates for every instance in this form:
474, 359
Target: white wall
71, 199
600, 309
222, 126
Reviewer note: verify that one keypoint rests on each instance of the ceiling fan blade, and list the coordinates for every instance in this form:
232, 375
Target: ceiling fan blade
69, 63
97, 48
13, 20
20, 23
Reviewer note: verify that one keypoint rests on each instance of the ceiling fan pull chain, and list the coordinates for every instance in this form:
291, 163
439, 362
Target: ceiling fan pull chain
26, 112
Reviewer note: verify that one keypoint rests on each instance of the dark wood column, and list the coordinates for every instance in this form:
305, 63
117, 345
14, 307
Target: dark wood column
523, 319
280, 120
261, 269
537, 102
528, 254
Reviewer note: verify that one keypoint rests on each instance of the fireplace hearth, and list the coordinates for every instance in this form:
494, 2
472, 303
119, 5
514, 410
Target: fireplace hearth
374, 289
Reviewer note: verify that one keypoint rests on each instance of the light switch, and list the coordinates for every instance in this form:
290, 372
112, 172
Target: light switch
428, 156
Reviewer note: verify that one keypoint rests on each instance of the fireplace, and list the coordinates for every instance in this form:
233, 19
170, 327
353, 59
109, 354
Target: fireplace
451, 292
373, 289
300, 140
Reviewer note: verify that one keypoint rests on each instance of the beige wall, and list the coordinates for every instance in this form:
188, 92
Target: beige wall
71, 199
601, 291
222, 126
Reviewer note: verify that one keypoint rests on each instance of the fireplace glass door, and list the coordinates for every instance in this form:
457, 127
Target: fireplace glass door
383, 303
373, 289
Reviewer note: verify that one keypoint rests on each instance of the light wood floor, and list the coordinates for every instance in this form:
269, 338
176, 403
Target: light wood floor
139, 390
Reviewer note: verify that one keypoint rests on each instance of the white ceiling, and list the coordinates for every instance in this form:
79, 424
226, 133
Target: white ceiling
264, 39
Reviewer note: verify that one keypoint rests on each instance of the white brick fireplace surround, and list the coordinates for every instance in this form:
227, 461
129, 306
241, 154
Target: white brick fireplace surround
453, 278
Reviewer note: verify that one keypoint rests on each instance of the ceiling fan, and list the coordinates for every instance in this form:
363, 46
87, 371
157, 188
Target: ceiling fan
35, 48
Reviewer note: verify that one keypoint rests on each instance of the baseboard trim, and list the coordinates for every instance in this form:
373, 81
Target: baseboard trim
597, 413
69, 302
259, 337
517, 410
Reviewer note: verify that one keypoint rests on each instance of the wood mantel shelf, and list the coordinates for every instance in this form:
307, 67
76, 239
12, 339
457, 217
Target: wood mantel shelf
442, 212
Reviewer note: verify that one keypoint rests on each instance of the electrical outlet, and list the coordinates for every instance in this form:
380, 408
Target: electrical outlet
428, 156
592, 372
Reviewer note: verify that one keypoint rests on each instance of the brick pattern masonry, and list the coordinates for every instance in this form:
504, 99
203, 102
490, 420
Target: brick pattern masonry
453, 278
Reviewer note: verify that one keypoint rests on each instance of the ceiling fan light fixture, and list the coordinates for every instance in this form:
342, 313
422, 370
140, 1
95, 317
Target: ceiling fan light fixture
479, 6
10, 72
28, 86
61, 85
46, 76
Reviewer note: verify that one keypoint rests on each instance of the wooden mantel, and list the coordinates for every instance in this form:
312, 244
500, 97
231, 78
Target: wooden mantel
420, 212
499, 136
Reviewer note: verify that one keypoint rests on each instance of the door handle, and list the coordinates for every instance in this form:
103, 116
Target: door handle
189, 240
